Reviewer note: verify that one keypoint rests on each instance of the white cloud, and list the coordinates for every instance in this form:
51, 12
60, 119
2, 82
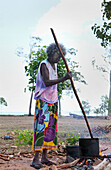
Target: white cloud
72, 21
69, 16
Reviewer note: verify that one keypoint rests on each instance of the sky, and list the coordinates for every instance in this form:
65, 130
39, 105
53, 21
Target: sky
71, 21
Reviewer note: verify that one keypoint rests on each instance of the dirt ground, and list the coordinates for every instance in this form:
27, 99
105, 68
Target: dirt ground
21, 156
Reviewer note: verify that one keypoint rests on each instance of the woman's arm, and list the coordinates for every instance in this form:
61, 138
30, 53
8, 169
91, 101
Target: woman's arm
45, 75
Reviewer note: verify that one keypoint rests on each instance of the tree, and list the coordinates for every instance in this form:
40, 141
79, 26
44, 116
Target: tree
97, 111
2, 102
104, 33
36, 55
104, 106
86, 106
29, 72
110, 94
32, 68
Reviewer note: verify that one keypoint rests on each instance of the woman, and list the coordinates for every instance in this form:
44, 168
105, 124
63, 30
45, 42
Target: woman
46, 109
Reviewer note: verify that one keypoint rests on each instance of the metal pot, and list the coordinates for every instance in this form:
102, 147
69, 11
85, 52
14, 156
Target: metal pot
88, 147
72, 151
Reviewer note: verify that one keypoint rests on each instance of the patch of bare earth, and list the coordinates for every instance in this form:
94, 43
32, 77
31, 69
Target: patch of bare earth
14, 157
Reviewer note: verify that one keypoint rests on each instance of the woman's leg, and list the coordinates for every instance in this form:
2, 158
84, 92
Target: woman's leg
45, 160
36, 163
36, 158
44, 156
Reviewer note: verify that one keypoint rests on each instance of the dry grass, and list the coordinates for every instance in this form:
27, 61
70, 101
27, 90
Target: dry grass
66, 125
11, 123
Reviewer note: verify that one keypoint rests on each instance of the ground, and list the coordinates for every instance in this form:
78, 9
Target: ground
21, 156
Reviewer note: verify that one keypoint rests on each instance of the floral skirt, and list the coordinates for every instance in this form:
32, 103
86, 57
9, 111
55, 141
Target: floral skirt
45, 126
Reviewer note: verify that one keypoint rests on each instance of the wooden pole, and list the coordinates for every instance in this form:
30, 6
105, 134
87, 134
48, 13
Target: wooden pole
72, 82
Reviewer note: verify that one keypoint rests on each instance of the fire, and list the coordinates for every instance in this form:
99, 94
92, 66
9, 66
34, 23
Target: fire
102, 154
87, 162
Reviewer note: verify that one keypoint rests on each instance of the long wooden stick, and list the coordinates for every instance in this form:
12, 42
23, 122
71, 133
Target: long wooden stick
101, 165
72, 82
68, 165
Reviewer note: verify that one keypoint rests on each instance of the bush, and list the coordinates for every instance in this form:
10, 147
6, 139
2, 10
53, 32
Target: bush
72, 140
24, 137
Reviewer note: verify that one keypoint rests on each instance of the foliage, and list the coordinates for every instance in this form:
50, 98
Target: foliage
76, 75
39, 54
104, 32
106, 63
34, 58
72, 140
61, 70
104, 106
24, 137
32, 66
2, 101
86, 106
109, 105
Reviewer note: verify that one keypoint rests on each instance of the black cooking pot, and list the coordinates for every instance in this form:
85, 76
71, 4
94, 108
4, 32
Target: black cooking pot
89, 147
72, 151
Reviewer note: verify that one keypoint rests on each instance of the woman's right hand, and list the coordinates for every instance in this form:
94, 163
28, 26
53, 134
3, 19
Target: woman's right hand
68, 75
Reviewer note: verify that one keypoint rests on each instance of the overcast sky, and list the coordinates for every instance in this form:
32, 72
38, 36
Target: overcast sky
71, 21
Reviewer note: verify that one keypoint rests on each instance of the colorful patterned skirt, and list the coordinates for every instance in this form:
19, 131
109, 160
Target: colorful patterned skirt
45, 126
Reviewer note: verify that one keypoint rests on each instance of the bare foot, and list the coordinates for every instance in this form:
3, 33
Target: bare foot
37, 165
47, 162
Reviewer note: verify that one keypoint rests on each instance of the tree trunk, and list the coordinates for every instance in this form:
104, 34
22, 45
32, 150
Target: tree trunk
59, 105
30, 105
109, 112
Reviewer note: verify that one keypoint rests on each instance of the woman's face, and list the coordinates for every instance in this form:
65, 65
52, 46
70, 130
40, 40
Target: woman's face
56, 58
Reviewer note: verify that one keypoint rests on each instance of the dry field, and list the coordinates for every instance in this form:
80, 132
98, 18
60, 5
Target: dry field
66, 125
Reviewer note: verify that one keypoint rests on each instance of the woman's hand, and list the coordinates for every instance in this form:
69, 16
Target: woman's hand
68, 75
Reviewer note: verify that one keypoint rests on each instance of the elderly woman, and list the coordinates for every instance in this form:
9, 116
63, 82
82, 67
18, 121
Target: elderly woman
46, 109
